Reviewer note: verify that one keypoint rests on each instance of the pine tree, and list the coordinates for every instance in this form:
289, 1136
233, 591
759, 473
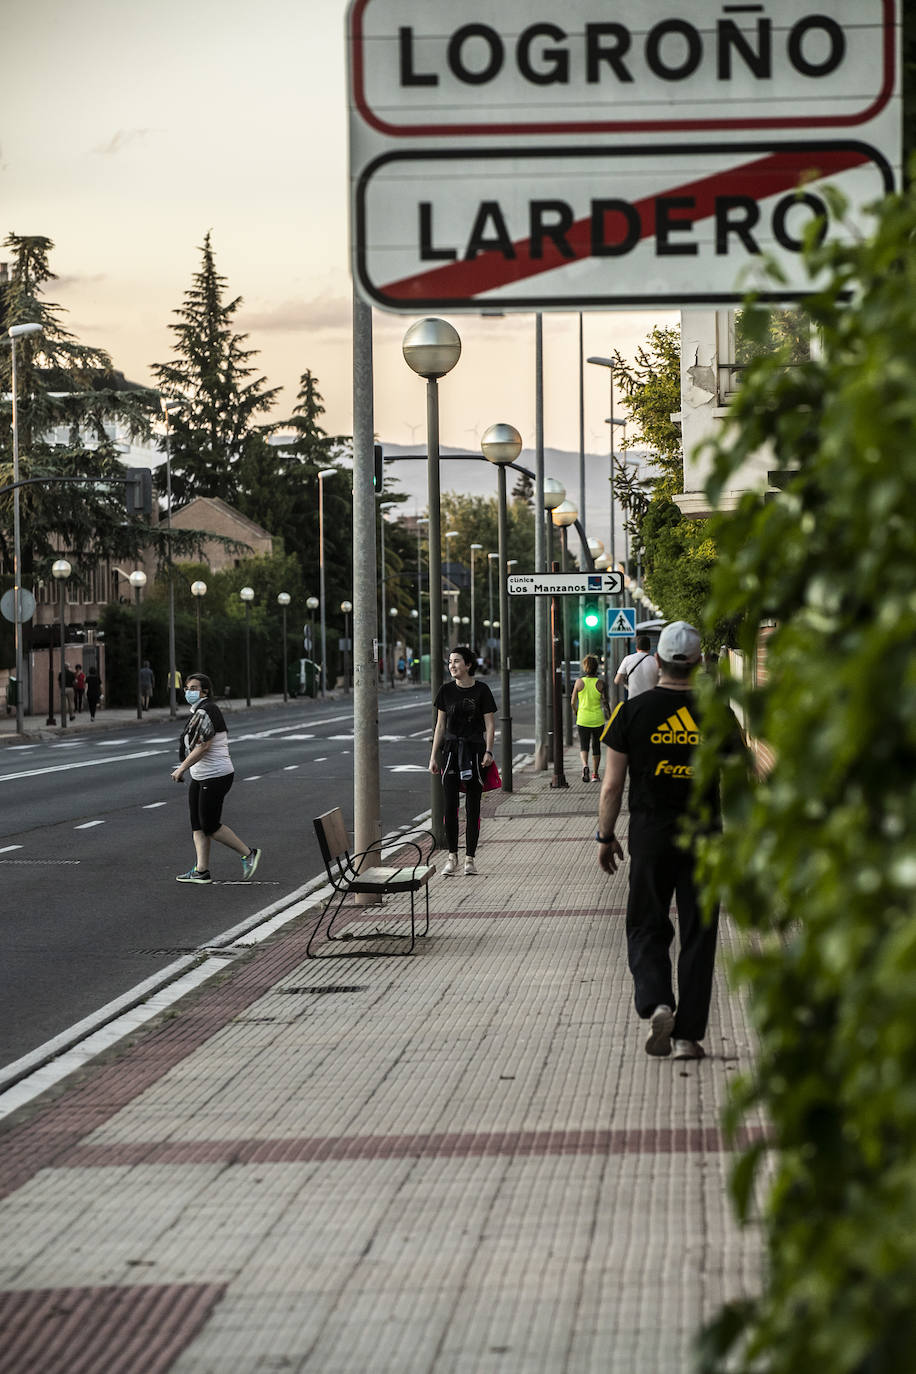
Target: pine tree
215, 429
63, 385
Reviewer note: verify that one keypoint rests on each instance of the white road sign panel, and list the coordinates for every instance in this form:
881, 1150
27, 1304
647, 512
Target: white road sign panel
565, 584
437, 69
621, 622
521, 157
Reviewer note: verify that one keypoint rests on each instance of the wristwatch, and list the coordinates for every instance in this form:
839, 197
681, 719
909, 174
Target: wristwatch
603, 839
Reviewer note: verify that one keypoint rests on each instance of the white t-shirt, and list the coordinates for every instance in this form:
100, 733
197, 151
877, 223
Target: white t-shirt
638, 672
206, 723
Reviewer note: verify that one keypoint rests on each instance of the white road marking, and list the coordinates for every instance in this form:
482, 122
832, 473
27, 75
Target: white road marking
323, 759
104, 743
14, 747
340, 737
70, 744
87, 825
395, 739
290, 767
408, 768
417, 734
8, 848
254, 777
151, 806
83, 763
286, 737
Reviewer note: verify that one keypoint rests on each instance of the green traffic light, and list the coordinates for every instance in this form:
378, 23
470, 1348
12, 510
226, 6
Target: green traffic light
592, 619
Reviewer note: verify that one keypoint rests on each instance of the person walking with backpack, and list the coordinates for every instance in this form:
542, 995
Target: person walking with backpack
638, 672
590, 703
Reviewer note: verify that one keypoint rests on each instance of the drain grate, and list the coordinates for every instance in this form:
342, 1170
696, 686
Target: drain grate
327, 987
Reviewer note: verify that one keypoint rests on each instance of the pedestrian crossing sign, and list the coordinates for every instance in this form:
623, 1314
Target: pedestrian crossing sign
621, 622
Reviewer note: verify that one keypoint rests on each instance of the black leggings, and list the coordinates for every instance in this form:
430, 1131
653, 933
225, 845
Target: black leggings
205, 799
452, 792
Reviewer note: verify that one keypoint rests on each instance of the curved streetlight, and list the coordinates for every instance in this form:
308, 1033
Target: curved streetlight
198, 591
168, 406
325, 472
247, 595
431, 348
346, 607
18, 331
312, 603
562, 516
501, 444
61, 570
283, 600
137, 580
474, 549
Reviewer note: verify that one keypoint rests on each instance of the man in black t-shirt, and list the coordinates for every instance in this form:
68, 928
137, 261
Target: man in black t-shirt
652, 736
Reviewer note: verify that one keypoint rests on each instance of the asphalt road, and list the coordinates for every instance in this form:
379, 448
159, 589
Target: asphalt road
93, 832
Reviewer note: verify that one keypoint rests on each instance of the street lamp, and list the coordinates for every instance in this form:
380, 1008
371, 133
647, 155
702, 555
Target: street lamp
450, 534
392, 615
491, 559
168, 406
610, 364
312, 604
431, 348
61, 570
421, 520
501, 444
18, 331
346, 607
564, 515
383, 506
325, 472
198, 590
283, 600
137, 580
474, 548
247, 595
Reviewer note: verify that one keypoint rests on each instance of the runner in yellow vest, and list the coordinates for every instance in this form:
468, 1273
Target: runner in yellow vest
589, 701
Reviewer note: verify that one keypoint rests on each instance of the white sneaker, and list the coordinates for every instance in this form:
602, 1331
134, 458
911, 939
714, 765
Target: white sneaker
470, 868
450, 868
661, 1024
688, 1049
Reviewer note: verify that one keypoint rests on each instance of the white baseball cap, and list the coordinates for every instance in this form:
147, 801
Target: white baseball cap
679, 643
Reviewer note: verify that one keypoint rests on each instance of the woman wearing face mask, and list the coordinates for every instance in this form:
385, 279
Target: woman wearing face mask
462, 748
204, 753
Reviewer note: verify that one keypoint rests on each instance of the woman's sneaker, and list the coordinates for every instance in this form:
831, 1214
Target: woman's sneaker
585, 773
195, 875
450, 867
470, 868
250, 863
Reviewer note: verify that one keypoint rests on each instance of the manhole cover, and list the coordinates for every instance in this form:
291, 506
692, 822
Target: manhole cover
328, 987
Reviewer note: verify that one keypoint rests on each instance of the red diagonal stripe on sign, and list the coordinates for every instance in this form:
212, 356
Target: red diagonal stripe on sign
767, 176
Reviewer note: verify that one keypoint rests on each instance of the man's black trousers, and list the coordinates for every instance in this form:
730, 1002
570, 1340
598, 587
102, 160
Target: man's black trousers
659, 870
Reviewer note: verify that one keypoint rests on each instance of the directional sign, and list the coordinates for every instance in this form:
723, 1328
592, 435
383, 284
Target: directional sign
621, 622
510, 156
566, 584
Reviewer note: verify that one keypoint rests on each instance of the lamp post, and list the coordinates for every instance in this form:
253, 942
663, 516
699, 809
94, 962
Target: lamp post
393, 614
312, 603
415, 615
383, 506
554, 495
421, 520
501, 444
325, 472
431, 348
453, 591
247, 595
346, 607
198, 591
137, 580
61, 571
610, 364
474, 548
283, 600
18, 331
491, 558
564, 515
170, 406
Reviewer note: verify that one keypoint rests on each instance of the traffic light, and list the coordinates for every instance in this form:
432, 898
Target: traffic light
378, 477
138, 491
591, 616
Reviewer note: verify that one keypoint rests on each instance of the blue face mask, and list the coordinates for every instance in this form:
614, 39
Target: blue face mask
192, 697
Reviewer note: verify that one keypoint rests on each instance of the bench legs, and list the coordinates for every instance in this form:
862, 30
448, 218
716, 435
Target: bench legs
329, 916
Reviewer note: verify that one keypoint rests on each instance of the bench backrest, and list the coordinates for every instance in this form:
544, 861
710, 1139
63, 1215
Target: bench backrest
333, 840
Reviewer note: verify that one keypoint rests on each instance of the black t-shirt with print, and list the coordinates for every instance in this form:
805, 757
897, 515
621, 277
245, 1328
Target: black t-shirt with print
465, 708
658, 731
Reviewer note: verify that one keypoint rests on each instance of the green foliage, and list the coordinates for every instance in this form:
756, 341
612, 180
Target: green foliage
759, 331
816, 863
215, 431
652, 390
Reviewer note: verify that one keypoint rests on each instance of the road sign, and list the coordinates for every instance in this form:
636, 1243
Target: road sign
498, 156
26, 607
621, 622
565, 584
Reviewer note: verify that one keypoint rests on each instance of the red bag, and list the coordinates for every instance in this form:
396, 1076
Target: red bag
490, 776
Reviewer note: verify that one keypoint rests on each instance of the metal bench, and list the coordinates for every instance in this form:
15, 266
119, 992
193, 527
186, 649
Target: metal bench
346, 877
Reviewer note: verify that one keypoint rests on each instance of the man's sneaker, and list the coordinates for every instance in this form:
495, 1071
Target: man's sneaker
450, 867
585, 774
661, 1024
595, 777
250, 863
688, 1049
195, 875
470, 868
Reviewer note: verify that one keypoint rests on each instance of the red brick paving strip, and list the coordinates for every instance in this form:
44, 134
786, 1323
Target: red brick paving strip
87, 1330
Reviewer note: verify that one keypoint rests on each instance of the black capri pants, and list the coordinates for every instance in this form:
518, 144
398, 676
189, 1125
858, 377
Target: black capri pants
205, 800
590, 736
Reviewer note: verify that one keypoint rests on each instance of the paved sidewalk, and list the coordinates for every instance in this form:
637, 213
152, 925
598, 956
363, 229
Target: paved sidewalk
461, 1161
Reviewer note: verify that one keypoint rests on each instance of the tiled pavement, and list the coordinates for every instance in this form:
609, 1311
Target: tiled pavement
461, 1161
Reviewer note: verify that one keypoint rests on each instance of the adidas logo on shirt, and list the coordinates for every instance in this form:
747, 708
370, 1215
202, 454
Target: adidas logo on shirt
681, 728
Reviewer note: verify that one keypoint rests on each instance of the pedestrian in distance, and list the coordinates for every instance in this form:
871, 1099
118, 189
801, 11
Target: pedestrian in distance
590, 703
462, 749
93, 691
653, 737
79, 689
67, 681
204, 754
147, 683
638, 672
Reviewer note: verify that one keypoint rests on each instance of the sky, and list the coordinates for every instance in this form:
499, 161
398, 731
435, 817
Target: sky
130, 130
